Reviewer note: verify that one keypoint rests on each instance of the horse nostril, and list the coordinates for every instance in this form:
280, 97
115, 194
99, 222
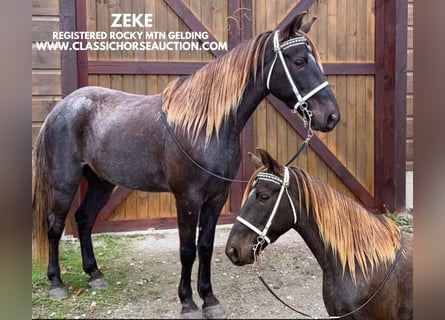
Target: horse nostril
332, 120
232, 253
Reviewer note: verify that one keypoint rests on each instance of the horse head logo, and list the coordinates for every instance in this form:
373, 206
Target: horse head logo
243, 13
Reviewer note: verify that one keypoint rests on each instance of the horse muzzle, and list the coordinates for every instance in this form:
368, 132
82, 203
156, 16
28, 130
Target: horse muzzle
327, 124
331, 122
240, 256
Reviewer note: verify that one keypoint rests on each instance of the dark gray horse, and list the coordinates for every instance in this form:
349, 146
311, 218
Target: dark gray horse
115, 138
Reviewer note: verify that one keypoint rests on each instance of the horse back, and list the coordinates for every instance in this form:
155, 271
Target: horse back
117, 134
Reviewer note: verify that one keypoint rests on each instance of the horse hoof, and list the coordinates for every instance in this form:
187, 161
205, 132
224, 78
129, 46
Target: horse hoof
191, 315
99, 283
58, 293
214, 312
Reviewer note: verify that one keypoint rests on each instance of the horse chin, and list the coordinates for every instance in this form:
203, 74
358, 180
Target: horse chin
240, 263
320, 128
239, 257
247, 260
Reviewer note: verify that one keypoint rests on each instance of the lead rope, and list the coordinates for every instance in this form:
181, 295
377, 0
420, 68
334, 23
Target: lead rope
279, 299
307, 119
163, 117
399, 254
169, 129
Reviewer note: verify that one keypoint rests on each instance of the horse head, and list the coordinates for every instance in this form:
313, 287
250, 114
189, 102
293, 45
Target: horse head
264, 214
295, 76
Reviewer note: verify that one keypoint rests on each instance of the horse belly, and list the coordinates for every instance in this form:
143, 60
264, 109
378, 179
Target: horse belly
125, 143
133, 175
130, 161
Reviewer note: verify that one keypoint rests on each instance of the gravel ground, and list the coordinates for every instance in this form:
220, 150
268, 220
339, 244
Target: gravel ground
288, 266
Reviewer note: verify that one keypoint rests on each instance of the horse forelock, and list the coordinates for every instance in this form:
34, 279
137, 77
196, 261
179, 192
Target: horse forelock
250, 184
355, 235
315, 51
212, 93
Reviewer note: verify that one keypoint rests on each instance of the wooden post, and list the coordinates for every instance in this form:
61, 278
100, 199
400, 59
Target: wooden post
390, 112
239, 31
74, 75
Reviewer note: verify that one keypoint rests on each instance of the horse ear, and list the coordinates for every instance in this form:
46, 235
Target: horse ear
256, 160
306, 27
292, 27
270, 163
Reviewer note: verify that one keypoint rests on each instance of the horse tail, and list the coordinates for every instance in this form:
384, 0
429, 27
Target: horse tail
41, 198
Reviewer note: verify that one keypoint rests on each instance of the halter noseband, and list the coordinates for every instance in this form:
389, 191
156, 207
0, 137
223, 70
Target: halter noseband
301, 103
262, 235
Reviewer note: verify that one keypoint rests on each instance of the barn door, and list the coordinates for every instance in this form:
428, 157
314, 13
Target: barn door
362, 58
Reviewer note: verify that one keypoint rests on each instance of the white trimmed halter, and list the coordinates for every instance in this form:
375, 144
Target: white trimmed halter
301, 103
284, 183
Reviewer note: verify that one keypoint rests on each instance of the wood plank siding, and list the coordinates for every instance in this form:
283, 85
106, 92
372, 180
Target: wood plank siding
46, 65
364, 55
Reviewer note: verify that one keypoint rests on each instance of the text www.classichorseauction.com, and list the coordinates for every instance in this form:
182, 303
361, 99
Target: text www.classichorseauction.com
131, 40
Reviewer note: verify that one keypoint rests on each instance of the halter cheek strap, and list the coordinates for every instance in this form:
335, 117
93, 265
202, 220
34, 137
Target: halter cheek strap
262, 235
301, 101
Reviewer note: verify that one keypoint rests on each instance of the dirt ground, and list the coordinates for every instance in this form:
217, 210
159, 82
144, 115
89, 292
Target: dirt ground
288, 266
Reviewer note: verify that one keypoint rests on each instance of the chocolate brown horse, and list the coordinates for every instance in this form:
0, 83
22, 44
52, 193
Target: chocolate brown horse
161, 143
365, 258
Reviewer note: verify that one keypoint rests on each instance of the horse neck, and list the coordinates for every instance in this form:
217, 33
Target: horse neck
328, 262
255, 90
333, 277
254, 93
310, 233
335, 281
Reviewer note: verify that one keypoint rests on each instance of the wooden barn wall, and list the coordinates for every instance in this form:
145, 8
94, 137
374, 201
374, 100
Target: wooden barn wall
149, 205
338, 40
351, 158
46, 66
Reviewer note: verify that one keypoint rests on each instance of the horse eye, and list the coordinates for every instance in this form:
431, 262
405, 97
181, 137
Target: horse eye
263, 196
299, 62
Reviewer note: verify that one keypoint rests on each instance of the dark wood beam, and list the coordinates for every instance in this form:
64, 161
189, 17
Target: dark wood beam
186, 67
68, 58
325, 154
240, 29
144, 67
82, 55
117, 197
390, 109
191, 21
300, 6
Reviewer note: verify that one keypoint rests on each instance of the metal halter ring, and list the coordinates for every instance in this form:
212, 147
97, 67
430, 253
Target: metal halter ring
307, 114
258, 247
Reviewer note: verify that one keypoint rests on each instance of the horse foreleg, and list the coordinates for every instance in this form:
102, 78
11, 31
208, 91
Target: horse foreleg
209, 215
98, 193
187, 221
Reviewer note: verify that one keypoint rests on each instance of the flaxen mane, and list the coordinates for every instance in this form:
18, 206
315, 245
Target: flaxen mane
208, 96
355, 235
